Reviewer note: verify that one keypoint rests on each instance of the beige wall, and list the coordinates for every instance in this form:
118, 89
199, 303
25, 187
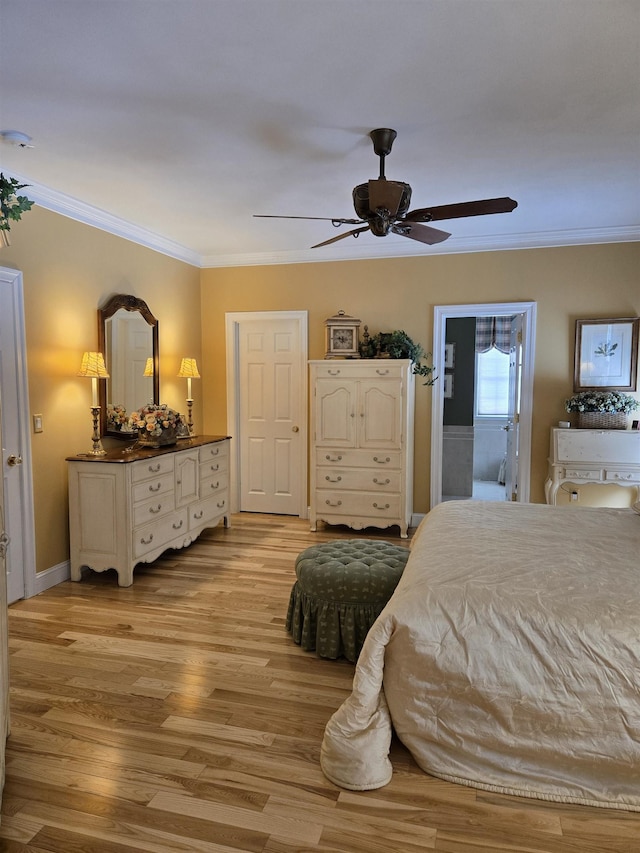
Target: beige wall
69, 270
567, 284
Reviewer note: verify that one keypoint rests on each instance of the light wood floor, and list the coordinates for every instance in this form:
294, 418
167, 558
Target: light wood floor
178, 715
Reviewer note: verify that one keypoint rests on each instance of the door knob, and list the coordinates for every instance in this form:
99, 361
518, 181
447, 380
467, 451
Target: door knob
4, 544
295, 429
14, 460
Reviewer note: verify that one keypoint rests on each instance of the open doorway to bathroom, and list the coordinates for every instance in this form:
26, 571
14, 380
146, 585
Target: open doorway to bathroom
481, 411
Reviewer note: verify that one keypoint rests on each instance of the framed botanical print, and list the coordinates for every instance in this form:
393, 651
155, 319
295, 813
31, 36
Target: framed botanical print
606, 354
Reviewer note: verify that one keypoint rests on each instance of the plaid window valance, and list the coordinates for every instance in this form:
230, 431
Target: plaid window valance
493, 332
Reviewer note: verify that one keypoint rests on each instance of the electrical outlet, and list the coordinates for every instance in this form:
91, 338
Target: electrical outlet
574, 496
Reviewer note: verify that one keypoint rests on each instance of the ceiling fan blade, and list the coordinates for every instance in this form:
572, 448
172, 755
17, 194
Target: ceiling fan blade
353, 233
385, 194
465, 208
336, 220
422, 233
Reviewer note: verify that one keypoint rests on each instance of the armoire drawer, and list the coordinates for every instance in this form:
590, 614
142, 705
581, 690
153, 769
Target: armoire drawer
376, 459
358, 479
357, 503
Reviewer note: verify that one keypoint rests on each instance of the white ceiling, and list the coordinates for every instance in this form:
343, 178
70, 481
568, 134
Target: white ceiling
173, 121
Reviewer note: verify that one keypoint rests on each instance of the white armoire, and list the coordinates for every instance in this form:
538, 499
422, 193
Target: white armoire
362, 442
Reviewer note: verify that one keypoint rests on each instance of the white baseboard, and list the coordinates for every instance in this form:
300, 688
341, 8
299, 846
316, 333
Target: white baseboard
416, 518
52, 576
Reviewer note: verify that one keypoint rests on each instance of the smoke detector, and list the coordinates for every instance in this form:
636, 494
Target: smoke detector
16, 137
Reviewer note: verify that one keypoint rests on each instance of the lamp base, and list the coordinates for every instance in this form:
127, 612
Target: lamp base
192, 433
97, 449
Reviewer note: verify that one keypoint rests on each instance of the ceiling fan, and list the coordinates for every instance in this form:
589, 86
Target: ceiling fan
383, 206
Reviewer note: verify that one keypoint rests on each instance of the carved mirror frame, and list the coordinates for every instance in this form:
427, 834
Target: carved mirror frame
129, 303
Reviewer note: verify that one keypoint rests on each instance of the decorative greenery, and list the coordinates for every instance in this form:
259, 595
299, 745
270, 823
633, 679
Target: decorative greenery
151, 420
12, 205
602, 401
398, 344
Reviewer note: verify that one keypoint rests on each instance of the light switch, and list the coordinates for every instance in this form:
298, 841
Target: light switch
37, 423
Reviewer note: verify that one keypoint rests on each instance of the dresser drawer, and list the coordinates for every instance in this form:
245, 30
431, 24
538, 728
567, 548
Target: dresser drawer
213, 467
376, 459
359, 479
208, 510
154, 487
214, 451
583, 473
151, 468
153, 536
213, 485
152, 509
352, 503
623, 476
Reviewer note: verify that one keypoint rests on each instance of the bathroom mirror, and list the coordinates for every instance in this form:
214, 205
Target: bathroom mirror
128, 338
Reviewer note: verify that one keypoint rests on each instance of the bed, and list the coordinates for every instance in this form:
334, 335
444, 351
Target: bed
507, 659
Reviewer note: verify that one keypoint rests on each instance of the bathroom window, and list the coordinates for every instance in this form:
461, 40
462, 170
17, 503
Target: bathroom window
492, 384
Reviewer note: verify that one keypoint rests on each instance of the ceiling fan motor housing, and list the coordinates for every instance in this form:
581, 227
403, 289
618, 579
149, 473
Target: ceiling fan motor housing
380, 224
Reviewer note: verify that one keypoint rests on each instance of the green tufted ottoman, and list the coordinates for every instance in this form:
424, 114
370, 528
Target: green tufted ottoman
340, 590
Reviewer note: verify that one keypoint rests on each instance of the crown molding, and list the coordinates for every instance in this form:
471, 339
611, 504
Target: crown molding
89, 215
453, 246
389, 247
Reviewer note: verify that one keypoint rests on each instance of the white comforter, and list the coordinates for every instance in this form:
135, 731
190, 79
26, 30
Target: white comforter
508, 658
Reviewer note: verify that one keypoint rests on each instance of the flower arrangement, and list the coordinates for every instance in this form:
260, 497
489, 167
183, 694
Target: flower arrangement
611, 402
153, 420
118, 419
12, 205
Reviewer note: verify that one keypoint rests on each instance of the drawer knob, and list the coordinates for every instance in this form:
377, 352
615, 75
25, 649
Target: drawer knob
220, 504
330, 480
382, 461
386, 506
148, 541
214, 486
381, 372
155, 510
177, 526
155, 488
153, 469
337, 503
330, 458
381, 482
198, 515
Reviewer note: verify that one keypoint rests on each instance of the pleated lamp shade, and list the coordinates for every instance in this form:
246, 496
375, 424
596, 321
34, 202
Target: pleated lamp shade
148, 368
93, 366
188, 369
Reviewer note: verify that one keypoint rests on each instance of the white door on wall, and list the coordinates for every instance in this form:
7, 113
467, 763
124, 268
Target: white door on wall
513, 422
268, 409
16, 447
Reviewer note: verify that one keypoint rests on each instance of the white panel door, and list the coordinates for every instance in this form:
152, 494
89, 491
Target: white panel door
269, 407
16, 447
513, 422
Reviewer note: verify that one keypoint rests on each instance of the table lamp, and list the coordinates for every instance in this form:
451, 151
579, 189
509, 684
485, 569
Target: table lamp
189, 370
94, 367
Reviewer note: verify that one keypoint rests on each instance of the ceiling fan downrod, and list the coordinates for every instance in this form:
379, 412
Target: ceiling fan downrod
382, 138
